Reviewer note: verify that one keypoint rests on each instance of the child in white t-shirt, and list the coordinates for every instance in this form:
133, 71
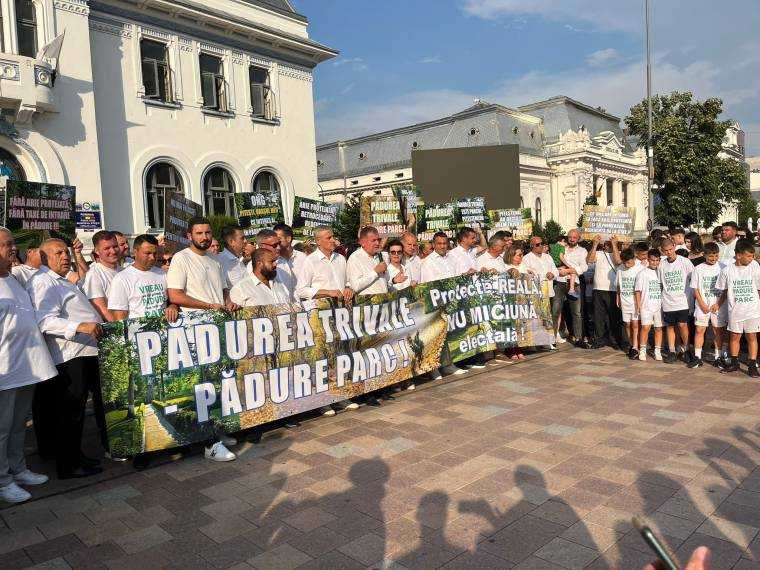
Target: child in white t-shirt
648, 296
739, 283
706, 309
625, 281
675, 276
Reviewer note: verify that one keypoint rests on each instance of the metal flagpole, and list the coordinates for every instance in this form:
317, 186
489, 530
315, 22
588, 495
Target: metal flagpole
650, 152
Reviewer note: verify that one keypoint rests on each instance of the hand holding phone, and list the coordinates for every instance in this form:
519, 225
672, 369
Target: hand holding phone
665, 559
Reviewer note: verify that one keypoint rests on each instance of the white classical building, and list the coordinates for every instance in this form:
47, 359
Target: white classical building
152, 96
568, 150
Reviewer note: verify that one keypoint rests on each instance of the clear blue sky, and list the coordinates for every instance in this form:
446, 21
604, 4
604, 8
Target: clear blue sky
405, 61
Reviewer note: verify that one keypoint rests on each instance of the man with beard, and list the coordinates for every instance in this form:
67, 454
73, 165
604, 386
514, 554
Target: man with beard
98, 280
195, 282
261, 287
575, 265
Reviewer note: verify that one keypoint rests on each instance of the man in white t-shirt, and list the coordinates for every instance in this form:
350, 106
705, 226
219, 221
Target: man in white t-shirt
739, 283
492, 259
729, 238
675, 275
98, 280
195, 281
24, 362
31, 265
607, 315
678, 235
140, 289
706, 310
261, 287
233, 258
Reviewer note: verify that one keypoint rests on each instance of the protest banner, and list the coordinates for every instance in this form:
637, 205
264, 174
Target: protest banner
88, 216
178, 211
409, 198
166, 385
309, 214
258, 211
35, 211
471, 213
518, 222
383, 213
432, 218
607, 221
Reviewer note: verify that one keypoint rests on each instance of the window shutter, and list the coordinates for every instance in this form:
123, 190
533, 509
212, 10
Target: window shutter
208, 89
150, 78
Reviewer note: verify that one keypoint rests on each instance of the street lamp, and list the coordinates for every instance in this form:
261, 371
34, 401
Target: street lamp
650, 151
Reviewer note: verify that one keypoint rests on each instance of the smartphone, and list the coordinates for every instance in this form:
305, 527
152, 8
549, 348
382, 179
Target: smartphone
657, 546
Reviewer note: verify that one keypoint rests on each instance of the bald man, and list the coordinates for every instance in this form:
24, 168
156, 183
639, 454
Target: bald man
71, 327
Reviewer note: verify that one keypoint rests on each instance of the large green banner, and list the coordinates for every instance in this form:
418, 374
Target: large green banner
171, 384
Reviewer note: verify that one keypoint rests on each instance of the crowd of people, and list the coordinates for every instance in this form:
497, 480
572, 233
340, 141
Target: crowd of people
603, 293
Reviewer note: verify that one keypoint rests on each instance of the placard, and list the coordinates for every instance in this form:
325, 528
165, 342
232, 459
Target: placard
471, 213
178, 211
257, 211
518, 222
432, 218
309, 214
383, 213
88, 216
35, 211
607, 221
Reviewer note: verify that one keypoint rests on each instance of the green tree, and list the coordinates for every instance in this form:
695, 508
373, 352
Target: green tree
747, 209
550, 232
692, 182
347, 225
218, 221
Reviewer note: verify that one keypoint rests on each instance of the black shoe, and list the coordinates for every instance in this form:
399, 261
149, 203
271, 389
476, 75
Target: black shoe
669, 358
752, 370
686, 357
290, 424
731, 365
374, 402
80, 472
582, 344
255, 436
89, 461
633, 354
598, 345
695, 363
388, 396
614, 346
719, 362
141, 461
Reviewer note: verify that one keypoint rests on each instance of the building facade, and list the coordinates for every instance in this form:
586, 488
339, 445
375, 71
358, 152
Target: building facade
153, 96
568, 151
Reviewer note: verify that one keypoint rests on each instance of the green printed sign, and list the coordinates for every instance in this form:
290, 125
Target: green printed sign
432, 218
309, 214
35, 211
257, 211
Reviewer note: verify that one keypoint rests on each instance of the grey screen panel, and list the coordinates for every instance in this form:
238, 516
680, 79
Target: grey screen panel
489, 171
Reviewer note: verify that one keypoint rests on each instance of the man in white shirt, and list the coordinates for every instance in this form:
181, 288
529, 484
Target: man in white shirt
575, 264
324, 271
678, 235
728, 241
107, 264
366, 272
608, 327
291, 261
463, 256
493, 258
24, 362
411, 260
261, 287
71, 327
195, 281
31, 265
233, 258
438, 265
140, 289
541, 265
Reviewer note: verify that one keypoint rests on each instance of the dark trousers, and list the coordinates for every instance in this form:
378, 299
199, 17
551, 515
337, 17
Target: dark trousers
58, 409
607, 318
558, 301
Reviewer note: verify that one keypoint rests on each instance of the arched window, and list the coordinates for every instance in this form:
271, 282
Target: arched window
266, 183
162, 177
26, 28
538, 216
218, 190
10, 166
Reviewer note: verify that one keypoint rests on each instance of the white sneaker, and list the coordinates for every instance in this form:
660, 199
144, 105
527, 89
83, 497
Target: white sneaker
115, 458
27, 477
552, 347
477, 366
218, 452
658, 356
12, 493
643, 355
352, 406
227, 440
328, 411
411, 387
458, 371
560, 340
436, 374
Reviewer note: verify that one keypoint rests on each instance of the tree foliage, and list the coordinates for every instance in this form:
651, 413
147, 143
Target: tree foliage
550, 233
692, 182
347, 225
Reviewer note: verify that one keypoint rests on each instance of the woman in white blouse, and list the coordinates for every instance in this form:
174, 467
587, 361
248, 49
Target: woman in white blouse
396, 270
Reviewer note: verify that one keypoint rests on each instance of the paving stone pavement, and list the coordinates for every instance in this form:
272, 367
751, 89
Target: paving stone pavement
538, 465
